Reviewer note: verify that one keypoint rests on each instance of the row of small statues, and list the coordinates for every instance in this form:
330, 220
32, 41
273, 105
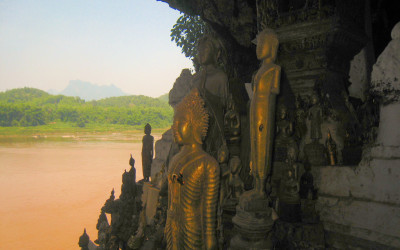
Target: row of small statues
203, 176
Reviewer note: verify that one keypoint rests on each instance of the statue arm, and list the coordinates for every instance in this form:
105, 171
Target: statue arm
209, 203
277, 78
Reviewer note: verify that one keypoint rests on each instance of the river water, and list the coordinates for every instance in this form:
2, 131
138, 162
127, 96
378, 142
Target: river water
53, 188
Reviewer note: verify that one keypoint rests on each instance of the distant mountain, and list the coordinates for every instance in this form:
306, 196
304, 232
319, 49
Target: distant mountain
90, 91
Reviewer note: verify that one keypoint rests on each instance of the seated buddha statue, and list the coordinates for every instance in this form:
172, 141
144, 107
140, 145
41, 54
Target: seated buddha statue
193, 181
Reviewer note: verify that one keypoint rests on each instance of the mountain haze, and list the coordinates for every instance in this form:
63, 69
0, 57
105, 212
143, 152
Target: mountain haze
89, 91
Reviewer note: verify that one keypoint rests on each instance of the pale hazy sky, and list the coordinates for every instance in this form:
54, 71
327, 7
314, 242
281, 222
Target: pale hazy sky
46, 43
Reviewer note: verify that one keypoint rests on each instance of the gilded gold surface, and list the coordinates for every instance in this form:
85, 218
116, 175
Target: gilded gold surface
262, 109
193, 181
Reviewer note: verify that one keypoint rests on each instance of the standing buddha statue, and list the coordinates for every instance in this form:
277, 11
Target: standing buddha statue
147, 152
212, 84
193, 181
262, 110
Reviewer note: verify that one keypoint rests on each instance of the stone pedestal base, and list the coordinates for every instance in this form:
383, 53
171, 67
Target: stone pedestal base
298, 236
253, 225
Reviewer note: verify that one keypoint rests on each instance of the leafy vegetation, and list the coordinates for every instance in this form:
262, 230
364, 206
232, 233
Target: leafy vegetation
185, 33
33, 107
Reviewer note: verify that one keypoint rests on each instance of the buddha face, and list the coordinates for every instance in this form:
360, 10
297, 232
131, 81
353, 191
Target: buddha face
183, 130
265, 47
314, 100
282, 113
206, 53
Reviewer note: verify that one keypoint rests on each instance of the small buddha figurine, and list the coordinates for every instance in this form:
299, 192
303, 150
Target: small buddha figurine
232, 121
84, 241
193, 181
147, 152
300, 119
289, 199
284, 128
262, 112
132, 171
330, 145
212, 83
109, 202
315, 117
306, 182
236, 185
223, 156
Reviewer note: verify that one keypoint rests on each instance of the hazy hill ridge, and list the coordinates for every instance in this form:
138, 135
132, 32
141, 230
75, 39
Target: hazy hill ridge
32, 107
89, 91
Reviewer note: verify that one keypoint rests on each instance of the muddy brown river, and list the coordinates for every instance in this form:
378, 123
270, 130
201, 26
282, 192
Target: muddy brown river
53, 188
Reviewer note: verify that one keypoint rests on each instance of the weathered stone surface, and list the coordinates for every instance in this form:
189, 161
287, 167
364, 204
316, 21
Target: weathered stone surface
151, 204
181, 87
386, 152
388, 134
358, 75
385, 73
362, 219
162, 150
378, 181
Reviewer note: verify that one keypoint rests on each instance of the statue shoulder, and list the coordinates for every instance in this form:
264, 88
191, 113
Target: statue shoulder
212, 164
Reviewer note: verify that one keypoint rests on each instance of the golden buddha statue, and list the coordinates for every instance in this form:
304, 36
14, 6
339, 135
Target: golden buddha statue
262, 110
193, 181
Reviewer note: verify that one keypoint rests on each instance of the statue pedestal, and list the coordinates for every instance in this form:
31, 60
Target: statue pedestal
253, 224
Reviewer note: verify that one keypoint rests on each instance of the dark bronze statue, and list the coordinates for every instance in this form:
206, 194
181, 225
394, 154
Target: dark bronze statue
289, 198
84, 241
147, 152
212, 84
236, 185
193, 181
223, 157
315, 117
300, 119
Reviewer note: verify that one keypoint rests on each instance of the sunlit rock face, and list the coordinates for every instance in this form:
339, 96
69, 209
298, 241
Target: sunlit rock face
181, 87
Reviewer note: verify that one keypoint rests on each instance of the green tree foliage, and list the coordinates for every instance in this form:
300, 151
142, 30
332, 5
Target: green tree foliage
32, 107
185, 33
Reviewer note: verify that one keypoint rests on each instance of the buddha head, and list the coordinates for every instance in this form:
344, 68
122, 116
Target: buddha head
292, 153
208, 50
190, 120
314, 99
267, 45
147, 129
282, 112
